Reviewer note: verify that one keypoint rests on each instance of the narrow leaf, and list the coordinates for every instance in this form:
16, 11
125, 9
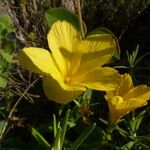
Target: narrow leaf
64, 127
40, 139
82, 137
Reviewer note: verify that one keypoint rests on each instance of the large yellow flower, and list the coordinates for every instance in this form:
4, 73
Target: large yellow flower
126, 98
73, 64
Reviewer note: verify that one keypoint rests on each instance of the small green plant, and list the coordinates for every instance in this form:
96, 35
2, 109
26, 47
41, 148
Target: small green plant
7, 47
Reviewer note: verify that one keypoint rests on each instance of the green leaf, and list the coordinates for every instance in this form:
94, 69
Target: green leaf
6, 23
32, 36
145, 137
54, 125
3, 82
127, 146
82, 137
40, 139
135, 122
54, 14
2, 124
64, 127
57, 142
6, 56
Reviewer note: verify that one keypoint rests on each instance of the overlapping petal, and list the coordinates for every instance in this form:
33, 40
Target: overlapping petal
94, 59
139, 92
74, 64
61, 92
126, 84
96, 42
126, 98
117, 111
104, 79
63, 37
39, 61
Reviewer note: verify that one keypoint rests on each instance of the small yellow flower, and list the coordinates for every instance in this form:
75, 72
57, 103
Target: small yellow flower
73, 64
126, 98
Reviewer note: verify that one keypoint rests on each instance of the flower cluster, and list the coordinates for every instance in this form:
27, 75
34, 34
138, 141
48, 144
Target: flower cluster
75, 64
126, 98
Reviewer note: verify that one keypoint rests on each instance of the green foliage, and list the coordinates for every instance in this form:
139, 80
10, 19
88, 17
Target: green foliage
51, 126
6, 48
54, 14
40, 139
82, 137
5, 25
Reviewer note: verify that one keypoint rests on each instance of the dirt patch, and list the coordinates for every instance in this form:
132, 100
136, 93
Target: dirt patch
3, 9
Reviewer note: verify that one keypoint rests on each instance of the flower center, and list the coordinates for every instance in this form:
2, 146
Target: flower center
67, 80
116, 100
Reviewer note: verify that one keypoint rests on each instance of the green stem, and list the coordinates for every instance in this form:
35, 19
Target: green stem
54, 125
64, 128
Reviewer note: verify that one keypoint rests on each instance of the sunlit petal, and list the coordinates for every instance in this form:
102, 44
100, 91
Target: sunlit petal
139, 92
60, 92
104, 79
94, 59
63, 37
116, 114
117, 111
126, 98
96, 42
39, 61
126, 84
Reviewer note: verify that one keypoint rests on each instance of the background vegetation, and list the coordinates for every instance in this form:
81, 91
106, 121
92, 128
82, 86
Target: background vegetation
26, 115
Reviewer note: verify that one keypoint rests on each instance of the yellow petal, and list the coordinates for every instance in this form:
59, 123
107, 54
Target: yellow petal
116, 114
94, 59
118, 108
124, 108
60, 92
96, 51
72, 61
63, 37
139, 92
39, 61
126, 84
96, 42
103, 79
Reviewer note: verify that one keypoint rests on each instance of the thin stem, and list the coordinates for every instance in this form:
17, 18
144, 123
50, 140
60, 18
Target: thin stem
80, 18
64, 128
14, 107
139, 59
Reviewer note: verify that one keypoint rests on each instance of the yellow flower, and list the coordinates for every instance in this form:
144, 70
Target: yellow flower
126, 98
73, 64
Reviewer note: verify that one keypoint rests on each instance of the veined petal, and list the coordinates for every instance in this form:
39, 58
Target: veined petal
94, 59
60, 92
39, 61
120, 110
96, 42
139, 92
72, 60
103, 79
116, 114
126, 84
62, 36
